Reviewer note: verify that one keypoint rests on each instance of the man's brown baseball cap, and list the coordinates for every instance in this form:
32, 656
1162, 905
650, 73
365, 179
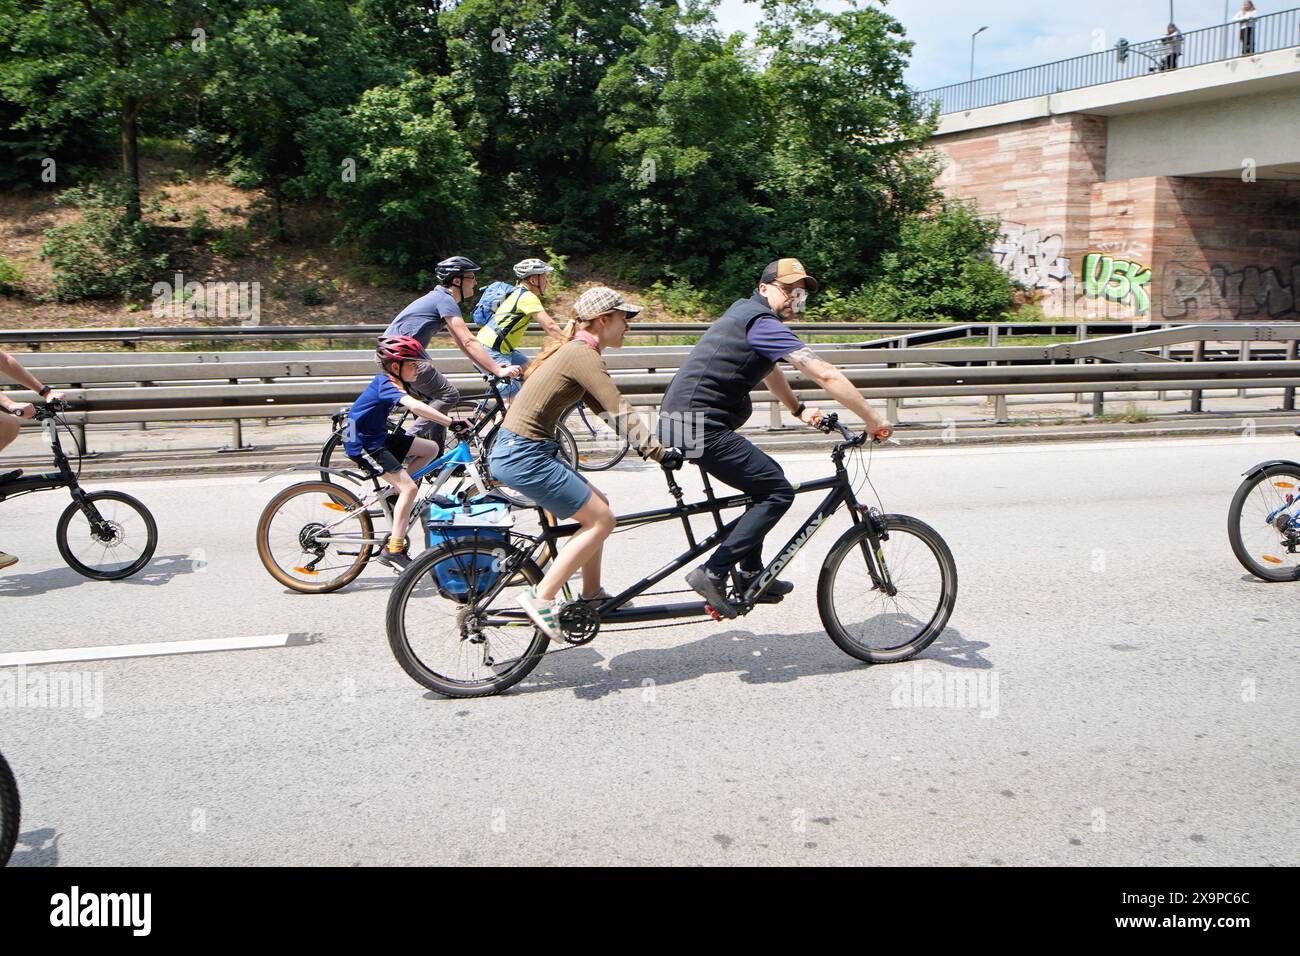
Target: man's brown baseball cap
787, 270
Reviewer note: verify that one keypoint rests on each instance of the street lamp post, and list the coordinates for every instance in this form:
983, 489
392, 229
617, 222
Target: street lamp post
972, 50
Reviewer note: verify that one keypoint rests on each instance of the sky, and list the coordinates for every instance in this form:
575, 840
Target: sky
1019, 34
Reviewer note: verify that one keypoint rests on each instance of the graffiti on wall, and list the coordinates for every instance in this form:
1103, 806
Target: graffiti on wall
1248, 291
1032, 259
1119, 280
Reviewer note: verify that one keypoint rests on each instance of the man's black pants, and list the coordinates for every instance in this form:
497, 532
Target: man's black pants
736, 461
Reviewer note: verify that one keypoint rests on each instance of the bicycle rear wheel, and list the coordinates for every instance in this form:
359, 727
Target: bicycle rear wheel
1262, 523
436, 615
314, 537
107, 535
861, 617
598, 444
10, 811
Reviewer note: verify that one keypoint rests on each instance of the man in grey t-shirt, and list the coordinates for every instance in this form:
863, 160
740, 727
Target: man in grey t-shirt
429, 315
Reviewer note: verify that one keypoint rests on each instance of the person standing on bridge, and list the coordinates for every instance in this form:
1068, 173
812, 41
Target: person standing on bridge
9, 410
426, 317
1173, 41
1246, 17
708, 400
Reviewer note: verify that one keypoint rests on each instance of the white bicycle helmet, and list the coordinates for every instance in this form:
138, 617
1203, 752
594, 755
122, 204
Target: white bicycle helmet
532, 267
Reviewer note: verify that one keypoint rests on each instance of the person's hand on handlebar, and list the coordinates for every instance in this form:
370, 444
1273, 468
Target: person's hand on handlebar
509, 371
811, 416
671, 459
882, 432
459, 427
22, 410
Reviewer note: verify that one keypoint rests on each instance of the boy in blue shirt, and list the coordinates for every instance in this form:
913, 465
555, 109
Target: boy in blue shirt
369, 444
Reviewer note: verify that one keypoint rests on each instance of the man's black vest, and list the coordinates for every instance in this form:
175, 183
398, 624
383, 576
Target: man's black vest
719, 373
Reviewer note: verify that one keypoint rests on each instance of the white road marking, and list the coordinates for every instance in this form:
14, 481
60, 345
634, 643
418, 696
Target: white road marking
160, 649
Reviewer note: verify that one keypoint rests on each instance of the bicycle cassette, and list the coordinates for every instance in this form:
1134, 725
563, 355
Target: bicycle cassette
579, 622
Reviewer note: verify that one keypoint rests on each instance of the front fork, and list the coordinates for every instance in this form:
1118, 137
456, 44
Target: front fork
872, 551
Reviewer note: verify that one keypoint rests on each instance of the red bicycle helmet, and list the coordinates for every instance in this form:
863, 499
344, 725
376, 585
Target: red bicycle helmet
400, 348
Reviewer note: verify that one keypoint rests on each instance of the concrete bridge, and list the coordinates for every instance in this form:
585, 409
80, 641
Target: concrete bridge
1133, 186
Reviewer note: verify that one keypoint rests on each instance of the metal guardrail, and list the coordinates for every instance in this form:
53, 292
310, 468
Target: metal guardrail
131, 335
239, 385
1226, 41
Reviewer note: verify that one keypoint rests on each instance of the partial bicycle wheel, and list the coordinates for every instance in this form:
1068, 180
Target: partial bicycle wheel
1264, 524
598, 444
438, 614
315, 537
107, 535
861, 616
10, 811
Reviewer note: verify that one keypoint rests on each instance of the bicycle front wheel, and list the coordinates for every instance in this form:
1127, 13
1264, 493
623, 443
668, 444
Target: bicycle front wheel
107, 535
1264, 524
314, 537
439, 620
598, 444
10, 811
858, 610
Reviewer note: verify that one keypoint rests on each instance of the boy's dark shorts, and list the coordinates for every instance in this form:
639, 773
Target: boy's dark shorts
389, 457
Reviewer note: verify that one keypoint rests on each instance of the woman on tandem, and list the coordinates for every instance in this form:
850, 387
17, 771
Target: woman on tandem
525, 457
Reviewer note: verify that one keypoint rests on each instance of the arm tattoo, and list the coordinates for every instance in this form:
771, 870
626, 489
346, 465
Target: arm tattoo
800, 358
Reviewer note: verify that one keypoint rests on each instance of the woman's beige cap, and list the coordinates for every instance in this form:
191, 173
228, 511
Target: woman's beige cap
601, 299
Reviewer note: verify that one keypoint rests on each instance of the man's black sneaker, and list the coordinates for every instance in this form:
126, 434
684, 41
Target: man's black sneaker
771, 595
397, 560
712, 590
12, 475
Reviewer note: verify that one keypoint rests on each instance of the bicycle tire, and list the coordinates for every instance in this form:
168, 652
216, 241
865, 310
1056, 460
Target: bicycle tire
11, 811
341, 496
593, 458
410, 661
1239, 548
854, 538
89, 571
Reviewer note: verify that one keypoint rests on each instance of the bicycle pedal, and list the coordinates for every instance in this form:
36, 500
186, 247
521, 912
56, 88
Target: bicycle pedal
712, 613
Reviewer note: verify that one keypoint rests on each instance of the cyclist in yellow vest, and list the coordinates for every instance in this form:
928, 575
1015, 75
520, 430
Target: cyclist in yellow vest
522, 305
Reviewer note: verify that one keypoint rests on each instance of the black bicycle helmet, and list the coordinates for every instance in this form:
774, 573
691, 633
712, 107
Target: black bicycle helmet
455, 267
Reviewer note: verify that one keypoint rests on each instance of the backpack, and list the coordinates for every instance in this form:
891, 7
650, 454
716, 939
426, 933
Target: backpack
489, 300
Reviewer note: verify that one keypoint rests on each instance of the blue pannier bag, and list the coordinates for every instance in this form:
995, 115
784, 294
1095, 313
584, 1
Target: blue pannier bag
487, 522
489, 300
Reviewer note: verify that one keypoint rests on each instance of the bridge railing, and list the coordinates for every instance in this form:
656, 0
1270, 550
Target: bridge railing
1274, 31
237, 386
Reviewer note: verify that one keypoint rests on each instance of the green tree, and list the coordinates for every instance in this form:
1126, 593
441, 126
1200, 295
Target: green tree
941, 270
682, 109
269, 70
847, 165
406, 188
79, 62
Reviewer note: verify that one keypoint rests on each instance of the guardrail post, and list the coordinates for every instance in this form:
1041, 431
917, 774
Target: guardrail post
1198, 355
891, 409
1162, 395
1243, 353
1098, 404
1000, 416
774, 416
1080, 333
236, 431
1288, 393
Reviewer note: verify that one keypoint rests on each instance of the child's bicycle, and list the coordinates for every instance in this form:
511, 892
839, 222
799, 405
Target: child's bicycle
486, 412
106, 535
318, 536
886, 588
1264, 521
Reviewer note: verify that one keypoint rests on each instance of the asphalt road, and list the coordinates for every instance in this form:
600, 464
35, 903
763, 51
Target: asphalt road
1134, 695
